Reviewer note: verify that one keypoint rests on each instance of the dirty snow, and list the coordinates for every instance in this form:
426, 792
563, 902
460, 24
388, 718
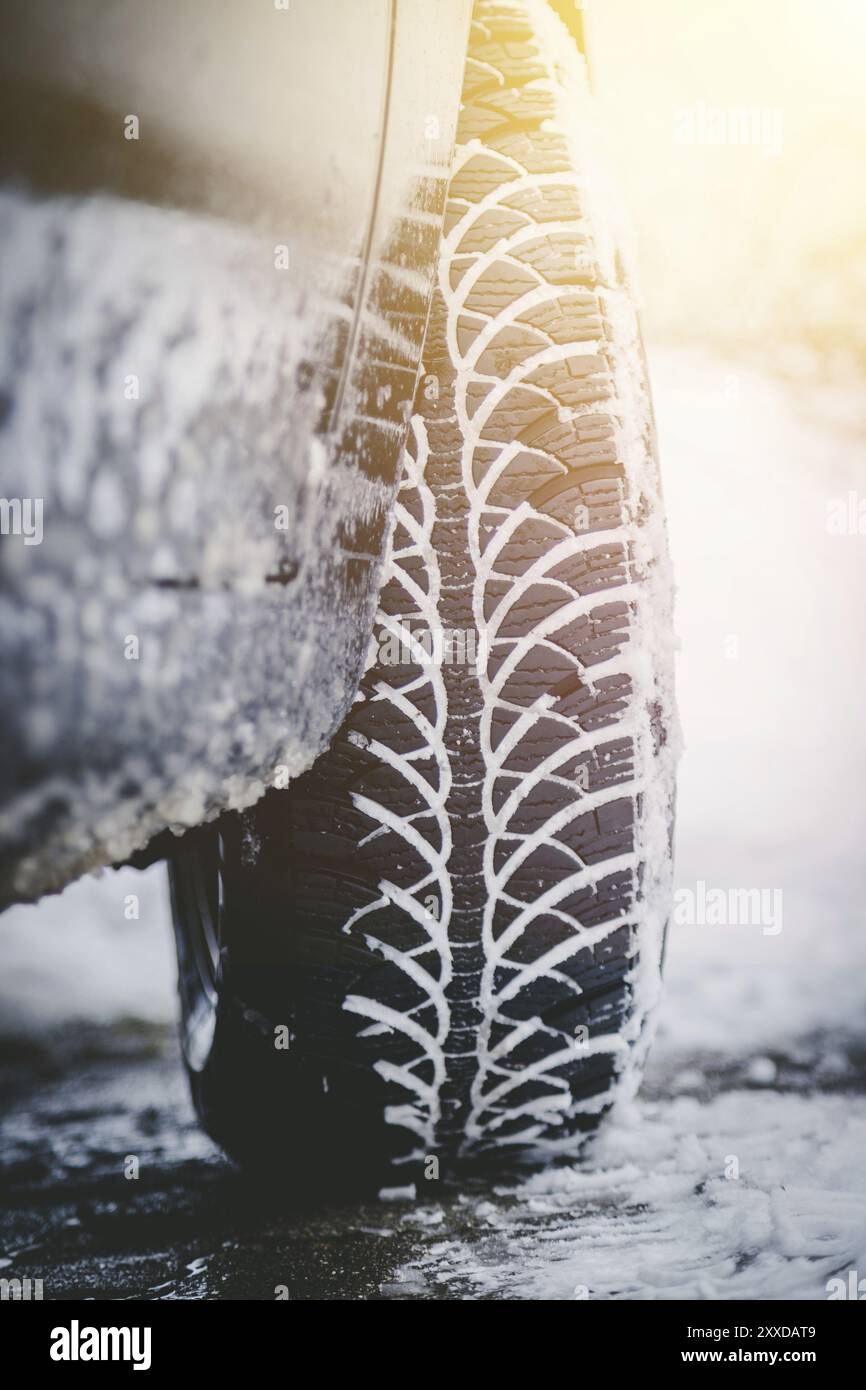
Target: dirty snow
152, 672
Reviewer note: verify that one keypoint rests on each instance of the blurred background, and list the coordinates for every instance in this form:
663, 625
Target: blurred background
754, 244
738, 135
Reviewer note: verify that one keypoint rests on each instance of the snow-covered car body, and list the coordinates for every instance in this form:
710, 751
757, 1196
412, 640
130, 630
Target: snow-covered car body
218, 232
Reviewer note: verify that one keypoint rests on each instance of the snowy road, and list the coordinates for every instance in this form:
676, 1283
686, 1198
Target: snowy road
746, 1184
745, 1195
740, 1171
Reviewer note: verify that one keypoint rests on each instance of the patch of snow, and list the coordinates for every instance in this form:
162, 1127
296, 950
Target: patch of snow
752, 1196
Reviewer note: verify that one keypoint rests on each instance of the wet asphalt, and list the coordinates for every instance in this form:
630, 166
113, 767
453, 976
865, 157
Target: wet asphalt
110, 1190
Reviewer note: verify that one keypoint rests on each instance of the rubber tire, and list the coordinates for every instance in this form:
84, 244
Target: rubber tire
444, 941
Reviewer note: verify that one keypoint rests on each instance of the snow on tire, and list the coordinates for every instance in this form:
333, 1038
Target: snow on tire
459, 911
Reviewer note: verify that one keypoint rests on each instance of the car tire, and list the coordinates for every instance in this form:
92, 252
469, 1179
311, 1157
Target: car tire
443, 943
